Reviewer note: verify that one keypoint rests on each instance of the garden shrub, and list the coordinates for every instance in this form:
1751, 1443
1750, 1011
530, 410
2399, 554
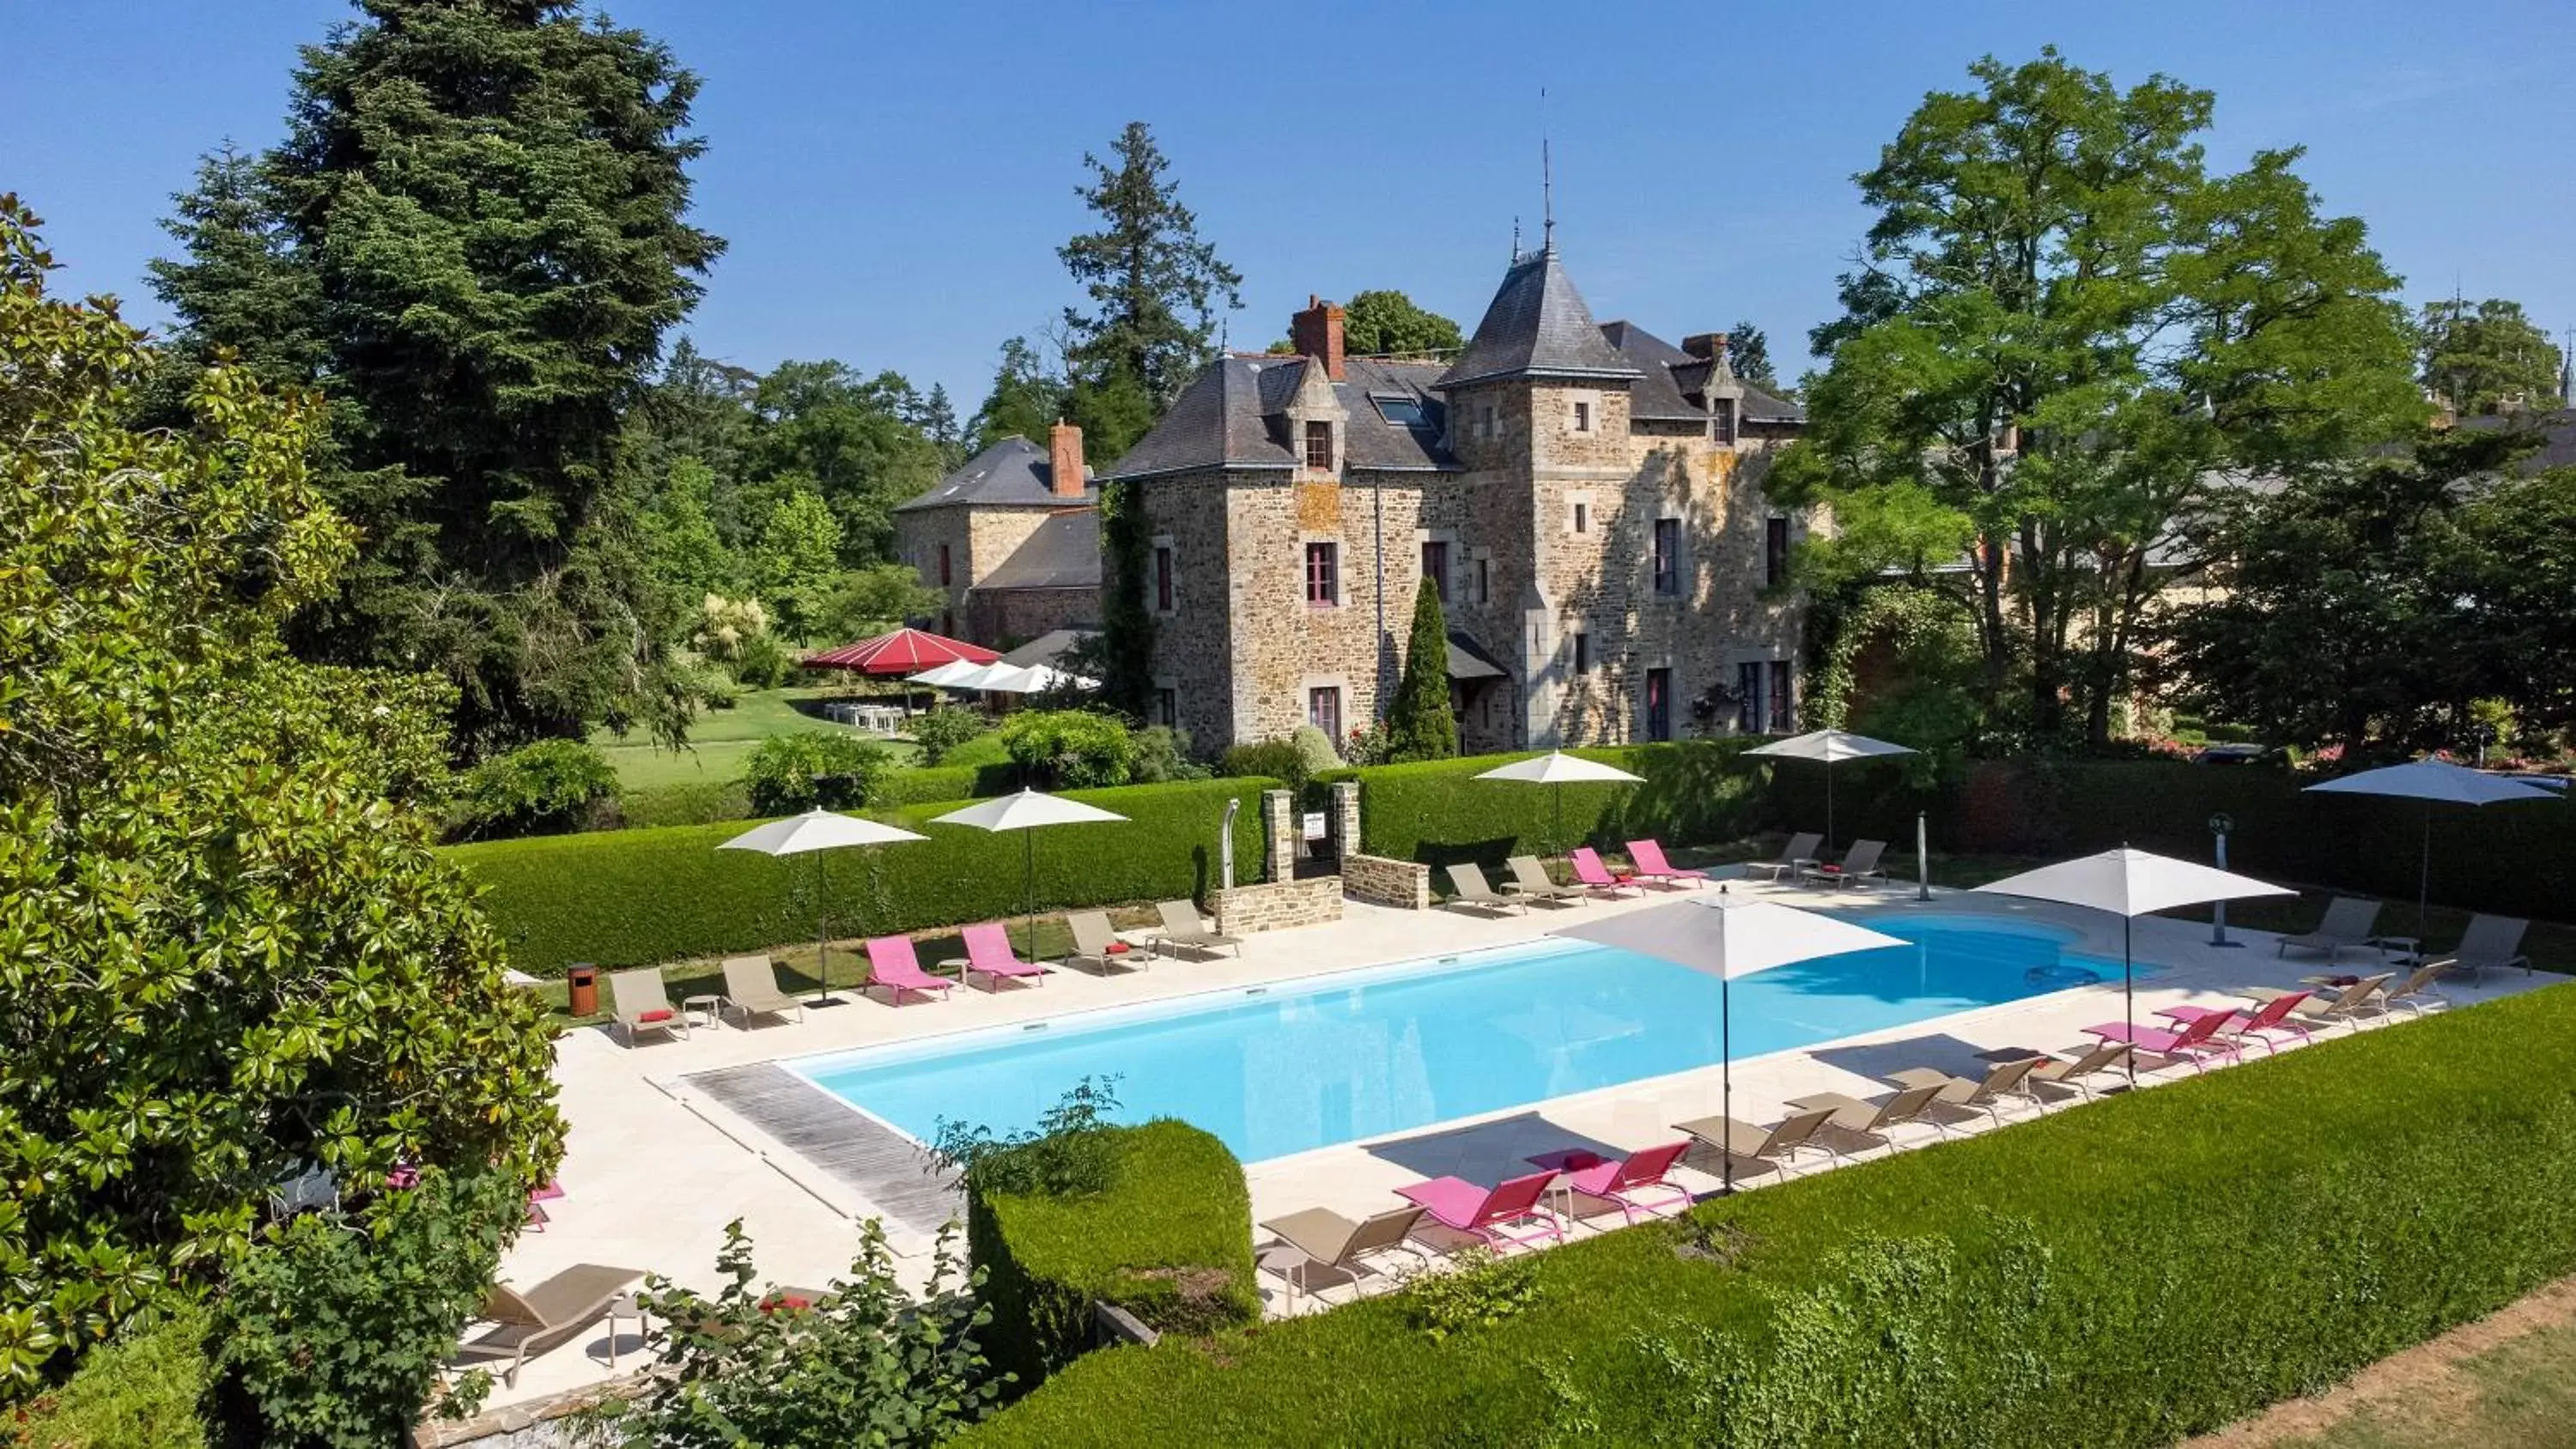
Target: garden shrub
761, 662
140, 1390
1314, 749
1163, 753
538, 789
1169, 1239
1068, 749
1279, 760
693, 802
944, 729
641, 897
2127, 1272
814, 770
863, 1363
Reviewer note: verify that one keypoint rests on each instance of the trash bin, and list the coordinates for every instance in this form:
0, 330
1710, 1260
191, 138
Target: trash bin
583, 978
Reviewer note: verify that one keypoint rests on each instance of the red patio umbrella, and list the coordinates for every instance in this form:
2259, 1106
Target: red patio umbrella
905, 651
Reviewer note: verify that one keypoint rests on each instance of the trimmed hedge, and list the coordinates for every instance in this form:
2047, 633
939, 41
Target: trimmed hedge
1438, 813
640, 897
2128, 1272
1171, 1242
924, 784
697, 802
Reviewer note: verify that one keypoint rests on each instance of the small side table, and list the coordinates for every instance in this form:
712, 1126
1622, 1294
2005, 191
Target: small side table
624, 1305
2404, 950
711, 1005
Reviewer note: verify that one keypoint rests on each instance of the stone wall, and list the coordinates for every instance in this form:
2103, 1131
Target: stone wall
1193, 642
1006, 618
1284, 647
1379, 881
1278, 905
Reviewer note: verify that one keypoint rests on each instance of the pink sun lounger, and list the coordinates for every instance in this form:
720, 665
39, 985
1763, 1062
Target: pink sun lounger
1491, 1214
892, 965
989, 954
1595, 877
1639, 1183
2195, 1043
2267, 1022
1651, 866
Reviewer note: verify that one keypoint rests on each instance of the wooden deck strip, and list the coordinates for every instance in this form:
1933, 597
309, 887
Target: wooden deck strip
871, 1159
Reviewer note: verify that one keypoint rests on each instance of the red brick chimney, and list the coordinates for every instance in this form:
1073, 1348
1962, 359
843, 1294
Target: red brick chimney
1064, 459
1317, 333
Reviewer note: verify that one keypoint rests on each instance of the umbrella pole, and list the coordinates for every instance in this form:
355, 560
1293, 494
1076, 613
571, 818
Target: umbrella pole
822, 932
1029, 869
2424, 880
2129, 998
1726, 1082
1829, 805
1556, 793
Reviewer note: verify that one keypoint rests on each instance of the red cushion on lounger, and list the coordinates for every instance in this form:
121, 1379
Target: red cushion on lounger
2343, 981
1118, 948
659, 1013
1829, 870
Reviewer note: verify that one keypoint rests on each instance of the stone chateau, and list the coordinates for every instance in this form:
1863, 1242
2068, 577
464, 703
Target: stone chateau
1586, 497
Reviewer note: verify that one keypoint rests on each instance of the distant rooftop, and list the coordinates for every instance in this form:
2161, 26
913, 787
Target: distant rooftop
1013, 473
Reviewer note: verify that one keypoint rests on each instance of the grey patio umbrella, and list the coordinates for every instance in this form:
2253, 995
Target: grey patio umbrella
812, 833
2435, 782
1829, 748
1559, 769
1727, 936
2129, 884
1026, 811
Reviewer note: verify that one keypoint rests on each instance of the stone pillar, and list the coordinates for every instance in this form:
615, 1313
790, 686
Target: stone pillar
1279, 828
1346, 816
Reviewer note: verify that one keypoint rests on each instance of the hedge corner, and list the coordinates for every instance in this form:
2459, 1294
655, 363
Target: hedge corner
1170, 1241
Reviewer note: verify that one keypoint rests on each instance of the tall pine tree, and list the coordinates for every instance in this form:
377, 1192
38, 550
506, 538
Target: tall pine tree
1420, 726
473, 241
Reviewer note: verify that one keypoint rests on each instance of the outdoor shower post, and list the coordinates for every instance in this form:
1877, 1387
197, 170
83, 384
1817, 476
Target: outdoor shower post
1922, 858
1225, 843
2219, 825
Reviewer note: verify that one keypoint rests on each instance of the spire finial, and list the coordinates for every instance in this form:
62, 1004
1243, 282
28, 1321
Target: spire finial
1516, 240
1546, 181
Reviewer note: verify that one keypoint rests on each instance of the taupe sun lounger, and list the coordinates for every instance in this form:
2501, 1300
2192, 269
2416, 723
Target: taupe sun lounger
2007, 1079
1800, 851
2348, 922
1182, 927
642, 1005
751, 987
1468, 880
2347, 1005
1093, 939
2491, 943
1864, 1125
2416, 992
2077, 1065
1859, 865
1773, 1146
1320, 1239
537, 1319
1530, 881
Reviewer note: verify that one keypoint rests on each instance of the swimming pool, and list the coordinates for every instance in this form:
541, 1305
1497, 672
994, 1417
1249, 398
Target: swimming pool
1302, 1065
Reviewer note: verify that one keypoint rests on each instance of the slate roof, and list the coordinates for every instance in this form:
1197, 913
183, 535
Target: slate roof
1234, 415
1537, 326
1013, 473
2557, 429
1674, 382
1063, 553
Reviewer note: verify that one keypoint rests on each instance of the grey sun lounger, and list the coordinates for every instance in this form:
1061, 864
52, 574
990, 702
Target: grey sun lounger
643, 1006
1092, 939
2348, 921
1859, 866
1468, 880
751, 987
1182, 927
531, 1321
1775, 1146
1321, 1240
2491, 943
1800, 851
1531, 881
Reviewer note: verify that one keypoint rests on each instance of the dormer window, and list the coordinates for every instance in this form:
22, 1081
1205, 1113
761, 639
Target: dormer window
1319, 447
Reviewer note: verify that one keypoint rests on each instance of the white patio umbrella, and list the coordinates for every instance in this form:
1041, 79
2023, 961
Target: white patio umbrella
2435, 782
1027, 811
2129, 884
1830, 748
1031, 679
1727, 936
945, 676
1558, 768
809, 834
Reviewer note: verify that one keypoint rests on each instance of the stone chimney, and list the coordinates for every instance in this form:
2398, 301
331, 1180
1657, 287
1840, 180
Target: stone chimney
1317, 333
1064, 459
1706, 346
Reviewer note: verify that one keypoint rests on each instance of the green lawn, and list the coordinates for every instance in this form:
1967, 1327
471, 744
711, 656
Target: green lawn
720, 740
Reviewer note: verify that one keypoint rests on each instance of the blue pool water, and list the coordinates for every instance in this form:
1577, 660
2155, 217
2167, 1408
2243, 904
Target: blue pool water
1306, 1065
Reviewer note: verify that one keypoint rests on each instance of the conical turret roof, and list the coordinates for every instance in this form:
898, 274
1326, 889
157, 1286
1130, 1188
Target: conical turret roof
1537, 326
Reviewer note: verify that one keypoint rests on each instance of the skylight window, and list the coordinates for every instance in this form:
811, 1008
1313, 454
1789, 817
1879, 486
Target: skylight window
1399, 410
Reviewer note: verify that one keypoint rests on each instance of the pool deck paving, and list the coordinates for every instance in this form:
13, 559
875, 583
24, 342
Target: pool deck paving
671, 1140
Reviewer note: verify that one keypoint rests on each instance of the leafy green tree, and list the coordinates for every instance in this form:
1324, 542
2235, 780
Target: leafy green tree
2064, 332
1124, 654
1419, 725
874, 599
472, 239
688, 556
2482, 357
864, 1362
1070, 749
814, 770
1154, 287
859, 440
229, 951
798, 562
1027, 399
1379, 322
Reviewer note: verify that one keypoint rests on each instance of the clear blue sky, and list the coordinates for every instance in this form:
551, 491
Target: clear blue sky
893, 180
